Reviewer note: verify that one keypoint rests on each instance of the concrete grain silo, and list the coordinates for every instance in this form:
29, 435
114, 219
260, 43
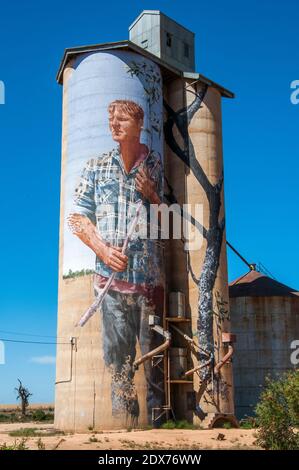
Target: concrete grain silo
145, 318
265, 317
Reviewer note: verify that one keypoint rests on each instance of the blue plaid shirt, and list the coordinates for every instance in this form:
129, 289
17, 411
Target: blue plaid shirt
107, 195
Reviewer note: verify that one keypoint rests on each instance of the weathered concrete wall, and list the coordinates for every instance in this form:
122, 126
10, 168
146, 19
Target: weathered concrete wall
83, 397
265, 328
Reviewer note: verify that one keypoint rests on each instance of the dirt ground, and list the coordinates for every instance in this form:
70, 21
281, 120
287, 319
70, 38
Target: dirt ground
237, 439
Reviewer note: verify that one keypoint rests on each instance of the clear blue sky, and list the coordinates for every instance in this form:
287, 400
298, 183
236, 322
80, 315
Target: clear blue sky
250, 47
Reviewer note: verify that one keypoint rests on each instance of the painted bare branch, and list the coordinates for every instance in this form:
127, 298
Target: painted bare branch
214, 234
171, 199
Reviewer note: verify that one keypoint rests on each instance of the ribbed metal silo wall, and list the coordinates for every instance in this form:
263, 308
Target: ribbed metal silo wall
112, 105
266, 328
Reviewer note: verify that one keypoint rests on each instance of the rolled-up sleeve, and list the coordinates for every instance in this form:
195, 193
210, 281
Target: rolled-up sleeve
84, 197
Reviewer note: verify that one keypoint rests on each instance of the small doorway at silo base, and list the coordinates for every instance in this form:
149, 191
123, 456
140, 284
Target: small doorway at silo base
220, 421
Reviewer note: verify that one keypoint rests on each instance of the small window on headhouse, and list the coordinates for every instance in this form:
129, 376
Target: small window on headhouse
168, 39
186, 50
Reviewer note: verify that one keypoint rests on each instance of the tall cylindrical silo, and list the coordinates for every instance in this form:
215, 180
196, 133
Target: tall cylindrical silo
112, 170
196, 264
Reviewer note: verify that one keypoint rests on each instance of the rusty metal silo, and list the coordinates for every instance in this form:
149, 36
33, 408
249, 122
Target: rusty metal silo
265, 317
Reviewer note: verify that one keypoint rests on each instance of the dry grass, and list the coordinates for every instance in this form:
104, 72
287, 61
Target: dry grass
46, 437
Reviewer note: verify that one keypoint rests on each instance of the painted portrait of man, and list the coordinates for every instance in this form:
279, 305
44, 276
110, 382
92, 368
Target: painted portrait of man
105, 201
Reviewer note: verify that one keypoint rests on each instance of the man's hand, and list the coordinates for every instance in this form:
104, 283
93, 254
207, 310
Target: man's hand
146, 186
113, 257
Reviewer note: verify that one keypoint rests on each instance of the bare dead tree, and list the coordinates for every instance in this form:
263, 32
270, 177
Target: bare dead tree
23, 395
213, 234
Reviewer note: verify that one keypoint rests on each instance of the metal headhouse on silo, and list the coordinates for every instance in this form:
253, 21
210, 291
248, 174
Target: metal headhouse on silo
143, 290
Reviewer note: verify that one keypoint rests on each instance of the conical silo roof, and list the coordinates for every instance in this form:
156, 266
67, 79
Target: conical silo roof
257, 284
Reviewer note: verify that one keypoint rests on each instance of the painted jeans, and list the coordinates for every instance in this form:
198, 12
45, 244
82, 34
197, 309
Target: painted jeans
126, 319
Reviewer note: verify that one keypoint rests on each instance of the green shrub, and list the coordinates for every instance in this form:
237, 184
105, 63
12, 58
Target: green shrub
183, 424
34, 432
277, 413
40, 444
17, 445
4, 418
227, 425
17, 417
38, 415
168, 425
249, 422
24, 432
291, 385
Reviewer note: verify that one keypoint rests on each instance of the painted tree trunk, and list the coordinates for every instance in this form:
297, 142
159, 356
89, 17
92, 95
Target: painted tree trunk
193, 134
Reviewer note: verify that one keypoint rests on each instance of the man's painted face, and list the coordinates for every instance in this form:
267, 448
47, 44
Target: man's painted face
123, 126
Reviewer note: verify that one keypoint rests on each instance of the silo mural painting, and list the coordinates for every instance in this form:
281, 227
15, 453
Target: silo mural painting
143, 290
114, 173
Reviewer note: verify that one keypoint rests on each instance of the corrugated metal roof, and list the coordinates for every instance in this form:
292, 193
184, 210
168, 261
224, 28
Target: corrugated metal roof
167, 70
256, 284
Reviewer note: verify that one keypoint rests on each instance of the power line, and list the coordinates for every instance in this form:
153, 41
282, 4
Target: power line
264, 270
28, 342
29, 334
250, 265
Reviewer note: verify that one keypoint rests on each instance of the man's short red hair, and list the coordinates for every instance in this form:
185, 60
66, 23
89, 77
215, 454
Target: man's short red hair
129, 107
